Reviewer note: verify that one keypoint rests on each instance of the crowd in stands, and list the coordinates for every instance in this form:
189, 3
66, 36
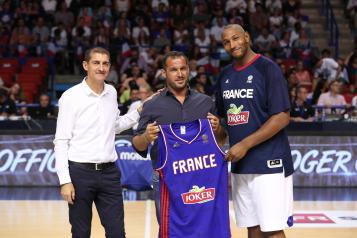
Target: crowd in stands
139, 32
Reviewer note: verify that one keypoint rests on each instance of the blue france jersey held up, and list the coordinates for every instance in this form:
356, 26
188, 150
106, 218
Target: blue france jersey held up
193, 182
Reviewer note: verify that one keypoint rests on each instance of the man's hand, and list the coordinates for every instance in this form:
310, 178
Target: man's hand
67, 192
214, 121
218, 130
142, 141
237, 152
151, 133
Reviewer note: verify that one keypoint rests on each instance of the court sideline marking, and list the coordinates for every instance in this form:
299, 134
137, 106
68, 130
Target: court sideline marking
148, 219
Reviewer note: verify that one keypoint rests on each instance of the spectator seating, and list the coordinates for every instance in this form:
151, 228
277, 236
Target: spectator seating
31, 77
36, 65
30, 83
8, 69
289, 64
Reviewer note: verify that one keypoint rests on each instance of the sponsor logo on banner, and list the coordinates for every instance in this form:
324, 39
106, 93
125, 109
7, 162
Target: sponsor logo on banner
198, 195
136, 171
319, 218
312, 218
126, 152
324, 161
236, 116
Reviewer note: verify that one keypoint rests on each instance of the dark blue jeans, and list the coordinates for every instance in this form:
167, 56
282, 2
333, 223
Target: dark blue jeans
104, 189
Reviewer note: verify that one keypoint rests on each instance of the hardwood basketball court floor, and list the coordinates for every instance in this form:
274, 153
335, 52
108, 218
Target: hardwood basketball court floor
37, 218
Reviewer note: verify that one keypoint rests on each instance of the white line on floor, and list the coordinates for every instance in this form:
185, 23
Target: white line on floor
148, 219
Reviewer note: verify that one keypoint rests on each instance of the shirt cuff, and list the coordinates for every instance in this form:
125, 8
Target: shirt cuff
64, 177
135, 115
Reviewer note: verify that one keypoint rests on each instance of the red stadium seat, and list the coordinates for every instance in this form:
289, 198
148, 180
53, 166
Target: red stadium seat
7, 78
24, 78
29, 89
36, 65
38, 71
289, 64
9, 66
37, 62
28, 96
9, 63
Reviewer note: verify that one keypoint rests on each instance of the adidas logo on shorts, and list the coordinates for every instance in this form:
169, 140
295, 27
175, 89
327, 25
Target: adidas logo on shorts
275, 163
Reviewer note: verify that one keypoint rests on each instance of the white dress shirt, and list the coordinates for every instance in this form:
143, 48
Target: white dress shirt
134, 107
328, 99
86, 127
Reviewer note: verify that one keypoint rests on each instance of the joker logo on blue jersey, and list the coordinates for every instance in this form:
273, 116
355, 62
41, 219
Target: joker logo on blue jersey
198, 195
236, 116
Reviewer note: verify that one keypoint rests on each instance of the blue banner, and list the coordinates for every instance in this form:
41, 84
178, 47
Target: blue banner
136, 171
28, 160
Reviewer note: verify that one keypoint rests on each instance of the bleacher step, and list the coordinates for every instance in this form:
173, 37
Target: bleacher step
64, 82
68, 78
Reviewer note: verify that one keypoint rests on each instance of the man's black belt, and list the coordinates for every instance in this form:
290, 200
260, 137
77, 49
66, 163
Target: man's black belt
94, 166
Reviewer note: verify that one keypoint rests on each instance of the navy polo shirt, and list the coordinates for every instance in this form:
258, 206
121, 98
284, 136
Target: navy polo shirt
165, 109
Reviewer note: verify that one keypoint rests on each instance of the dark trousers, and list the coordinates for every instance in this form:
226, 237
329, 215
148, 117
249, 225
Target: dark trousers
103, 188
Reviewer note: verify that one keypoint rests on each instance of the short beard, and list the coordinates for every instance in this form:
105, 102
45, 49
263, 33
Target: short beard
178, 88
244, 53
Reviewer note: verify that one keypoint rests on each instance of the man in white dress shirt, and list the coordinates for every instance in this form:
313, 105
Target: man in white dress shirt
88, 120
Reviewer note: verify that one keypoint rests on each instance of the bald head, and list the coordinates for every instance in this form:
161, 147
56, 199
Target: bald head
235, 40
235, 27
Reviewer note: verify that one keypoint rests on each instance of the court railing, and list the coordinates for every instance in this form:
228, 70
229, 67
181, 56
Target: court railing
331, 25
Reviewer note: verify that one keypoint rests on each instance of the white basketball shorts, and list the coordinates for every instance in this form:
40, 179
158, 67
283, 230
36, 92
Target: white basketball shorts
263, 199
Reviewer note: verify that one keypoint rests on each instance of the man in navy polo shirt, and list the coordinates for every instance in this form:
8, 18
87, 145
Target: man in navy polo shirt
177, 103
252, 96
